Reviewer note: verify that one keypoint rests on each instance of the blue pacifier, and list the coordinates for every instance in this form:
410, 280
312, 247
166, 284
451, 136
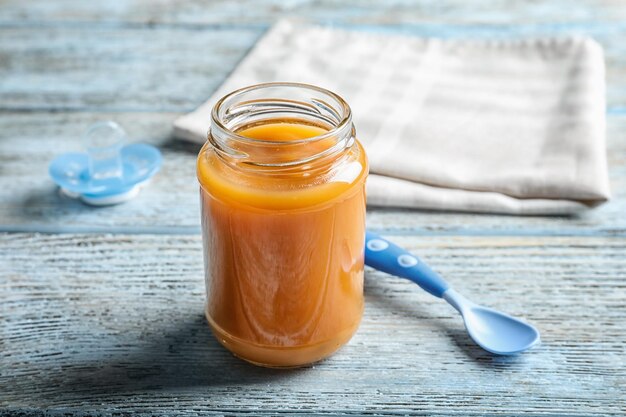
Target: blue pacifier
110, 172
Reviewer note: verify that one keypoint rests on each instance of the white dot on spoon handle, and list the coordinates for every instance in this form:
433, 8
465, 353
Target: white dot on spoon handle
407, 261
377, 245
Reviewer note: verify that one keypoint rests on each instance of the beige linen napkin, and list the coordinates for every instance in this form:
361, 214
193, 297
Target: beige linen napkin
503, 126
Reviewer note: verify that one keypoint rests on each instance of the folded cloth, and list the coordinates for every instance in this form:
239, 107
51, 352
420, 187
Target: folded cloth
501, 126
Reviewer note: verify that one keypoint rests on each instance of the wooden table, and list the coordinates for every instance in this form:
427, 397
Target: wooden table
101, 309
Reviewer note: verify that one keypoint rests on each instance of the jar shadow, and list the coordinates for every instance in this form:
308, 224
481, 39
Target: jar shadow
182, 354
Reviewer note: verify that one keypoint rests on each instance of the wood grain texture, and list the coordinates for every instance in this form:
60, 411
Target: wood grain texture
174, 69
113, 324
90, 67
29, 200
170, 55
254, 12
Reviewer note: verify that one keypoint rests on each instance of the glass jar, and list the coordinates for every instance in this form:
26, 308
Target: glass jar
282, 190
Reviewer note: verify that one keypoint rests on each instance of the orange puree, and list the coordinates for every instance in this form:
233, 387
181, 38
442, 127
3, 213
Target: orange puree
283, 249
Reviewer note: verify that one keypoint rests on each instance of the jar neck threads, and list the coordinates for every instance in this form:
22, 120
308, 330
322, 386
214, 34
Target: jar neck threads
280, 103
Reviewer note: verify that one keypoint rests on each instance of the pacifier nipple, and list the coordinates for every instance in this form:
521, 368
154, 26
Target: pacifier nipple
103, 142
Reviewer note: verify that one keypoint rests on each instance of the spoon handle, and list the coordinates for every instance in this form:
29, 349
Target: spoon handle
390, 258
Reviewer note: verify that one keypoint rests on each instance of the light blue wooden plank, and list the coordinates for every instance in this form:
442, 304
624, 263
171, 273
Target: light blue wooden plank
123, 70
114, 324
173, 69
222, 12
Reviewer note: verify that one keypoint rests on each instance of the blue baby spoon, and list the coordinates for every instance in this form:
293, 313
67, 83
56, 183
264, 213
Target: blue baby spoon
492, 330
110, 171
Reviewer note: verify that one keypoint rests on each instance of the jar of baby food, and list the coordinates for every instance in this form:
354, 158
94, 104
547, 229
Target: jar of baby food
282, 189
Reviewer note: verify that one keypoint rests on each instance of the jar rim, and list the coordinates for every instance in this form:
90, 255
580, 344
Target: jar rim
345, 121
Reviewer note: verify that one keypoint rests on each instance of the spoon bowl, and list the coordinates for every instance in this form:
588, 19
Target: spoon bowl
494, 331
